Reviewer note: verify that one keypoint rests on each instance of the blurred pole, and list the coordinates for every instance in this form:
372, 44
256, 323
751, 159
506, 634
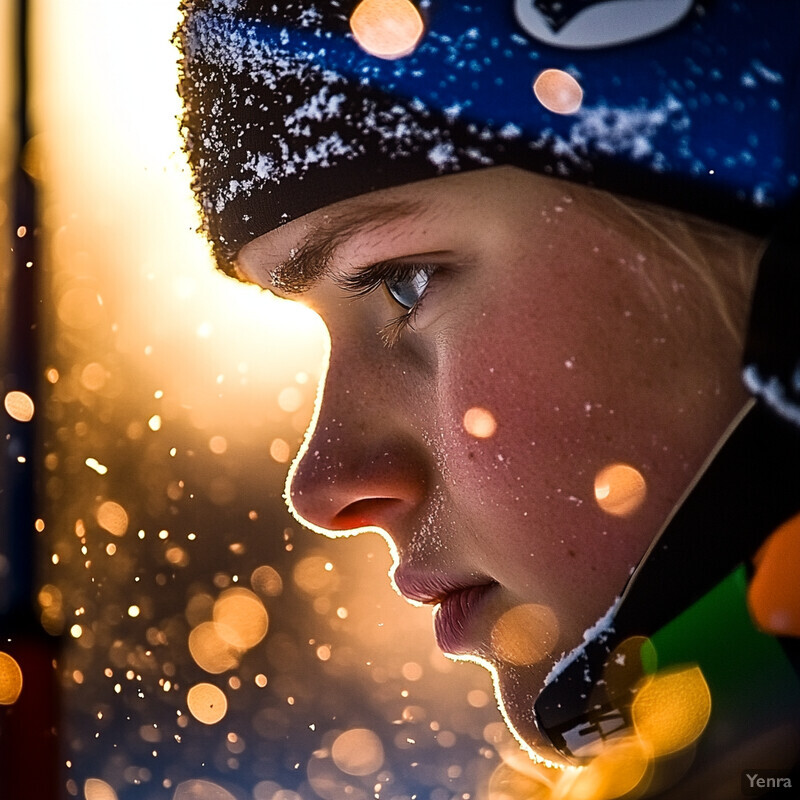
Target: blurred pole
29, 761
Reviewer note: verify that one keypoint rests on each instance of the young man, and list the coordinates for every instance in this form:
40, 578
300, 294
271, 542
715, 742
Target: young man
534, 386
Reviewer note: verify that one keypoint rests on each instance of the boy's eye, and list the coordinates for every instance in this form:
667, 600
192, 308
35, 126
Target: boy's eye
407, 289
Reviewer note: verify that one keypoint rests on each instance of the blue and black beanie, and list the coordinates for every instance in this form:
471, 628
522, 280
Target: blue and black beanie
693, 104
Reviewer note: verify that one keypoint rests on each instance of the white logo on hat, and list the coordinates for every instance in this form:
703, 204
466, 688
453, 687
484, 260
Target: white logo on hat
586, 24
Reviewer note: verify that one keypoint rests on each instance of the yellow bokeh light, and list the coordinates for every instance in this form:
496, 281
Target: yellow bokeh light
241, 618
357, 752
218, 445
313, 577
558, 91
290, 399
622, 766
94, 376
525, 634
267, 581
197, 789
280, 451
480, 423
96, 789
619, 489
113, 518
207, 703
10, 680
177, 556
672, 709
80, 308
19, 406
211, 651
387, 28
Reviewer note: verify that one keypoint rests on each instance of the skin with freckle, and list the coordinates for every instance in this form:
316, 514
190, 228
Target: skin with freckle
583, 335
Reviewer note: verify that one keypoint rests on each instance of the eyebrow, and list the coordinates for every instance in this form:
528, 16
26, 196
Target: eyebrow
308, 263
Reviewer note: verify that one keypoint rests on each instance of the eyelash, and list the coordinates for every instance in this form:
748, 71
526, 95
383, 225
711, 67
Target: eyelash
374, 276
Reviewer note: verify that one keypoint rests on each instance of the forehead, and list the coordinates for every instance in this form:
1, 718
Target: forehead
295, 256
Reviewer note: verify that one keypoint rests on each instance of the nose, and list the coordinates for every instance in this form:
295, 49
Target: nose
363, 465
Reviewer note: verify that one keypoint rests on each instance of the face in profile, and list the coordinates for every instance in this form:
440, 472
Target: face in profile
498, 341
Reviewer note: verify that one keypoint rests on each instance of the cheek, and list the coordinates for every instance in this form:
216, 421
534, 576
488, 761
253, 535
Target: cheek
526, 428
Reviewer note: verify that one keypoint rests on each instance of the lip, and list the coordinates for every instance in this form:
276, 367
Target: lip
454, 620
458, 602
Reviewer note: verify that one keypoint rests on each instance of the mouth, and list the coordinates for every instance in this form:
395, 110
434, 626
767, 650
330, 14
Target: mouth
458, 604
453, 623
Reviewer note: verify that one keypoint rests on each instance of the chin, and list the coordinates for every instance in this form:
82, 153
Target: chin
516, 689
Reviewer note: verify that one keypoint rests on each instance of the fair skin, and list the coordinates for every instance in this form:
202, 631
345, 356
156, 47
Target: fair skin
586, 347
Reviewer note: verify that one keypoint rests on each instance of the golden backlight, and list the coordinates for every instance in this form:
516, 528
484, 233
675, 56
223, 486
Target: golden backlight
130, 271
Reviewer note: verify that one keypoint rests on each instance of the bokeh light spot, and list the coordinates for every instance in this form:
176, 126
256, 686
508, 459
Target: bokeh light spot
95, 789
357, 752
207, 703
241, 618
218, 445
411, 671
312, 576
619, 489
19, 406
480, 423
672, 709
558, 91
113, 518
10, 680
525, 634
197, 789
80, 308
267, 581
211, 651
290, 399
280, 451
387, 28
94, 376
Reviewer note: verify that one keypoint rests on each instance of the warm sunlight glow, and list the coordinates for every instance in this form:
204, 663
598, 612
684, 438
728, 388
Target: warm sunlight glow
150, 277
387, 28
558, 91
619, 489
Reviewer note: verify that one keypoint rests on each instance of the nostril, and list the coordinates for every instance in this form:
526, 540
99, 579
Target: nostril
370, 511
